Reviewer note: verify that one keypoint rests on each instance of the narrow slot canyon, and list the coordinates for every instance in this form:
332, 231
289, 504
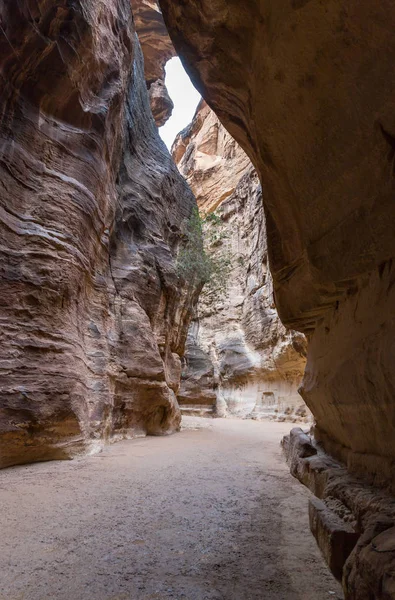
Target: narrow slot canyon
197, 301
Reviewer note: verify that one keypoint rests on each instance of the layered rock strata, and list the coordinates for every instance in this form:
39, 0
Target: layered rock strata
307, 89
157, 49
240, 359
209, 159
94, 318
353, 523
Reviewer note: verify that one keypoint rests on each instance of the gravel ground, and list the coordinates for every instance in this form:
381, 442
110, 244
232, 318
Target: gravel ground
208, 514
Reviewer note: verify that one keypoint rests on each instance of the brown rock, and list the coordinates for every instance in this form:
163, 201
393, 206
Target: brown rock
353, 522
336, 538
93, 316
371, 572
239, 358
161, 103
307, 90
157, 50
154, 38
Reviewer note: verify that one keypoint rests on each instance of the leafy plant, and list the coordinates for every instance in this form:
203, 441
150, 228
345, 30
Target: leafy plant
197, 263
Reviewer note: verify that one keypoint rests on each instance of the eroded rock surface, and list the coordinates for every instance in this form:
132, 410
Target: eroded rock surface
154, 38
93, 316
307, 89
240, 359
353, 522
210, 159
161, 103
157, 49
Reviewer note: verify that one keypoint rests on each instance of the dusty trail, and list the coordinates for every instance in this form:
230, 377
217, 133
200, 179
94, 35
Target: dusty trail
208, 514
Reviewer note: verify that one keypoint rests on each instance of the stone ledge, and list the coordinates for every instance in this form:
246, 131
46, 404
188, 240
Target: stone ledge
335, 538
352, 521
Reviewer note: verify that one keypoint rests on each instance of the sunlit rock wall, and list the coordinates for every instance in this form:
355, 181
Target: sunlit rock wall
240, 359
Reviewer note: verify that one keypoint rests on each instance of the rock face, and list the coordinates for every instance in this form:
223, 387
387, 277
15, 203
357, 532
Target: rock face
94, 318
306, 88
154, 38
209, 159
352, 522
157, 49
161, 103
240, 359
307, 91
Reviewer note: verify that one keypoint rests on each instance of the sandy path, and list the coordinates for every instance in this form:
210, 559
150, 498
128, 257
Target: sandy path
211, 514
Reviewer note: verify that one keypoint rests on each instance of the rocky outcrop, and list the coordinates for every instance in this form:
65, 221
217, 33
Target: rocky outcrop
353, 522
199, 381
94, 318
307, 91
154, 38
209, 159
240, 359
306, 88
157, 49
161, 103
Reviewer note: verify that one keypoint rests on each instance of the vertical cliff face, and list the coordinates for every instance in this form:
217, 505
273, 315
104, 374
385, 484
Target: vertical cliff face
157, 49
93, 316
210, 159
240, 359
308, 93
307, 89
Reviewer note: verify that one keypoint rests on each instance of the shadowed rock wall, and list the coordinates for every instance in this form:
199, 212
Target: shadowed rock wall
307, 89
93, 316
157, 49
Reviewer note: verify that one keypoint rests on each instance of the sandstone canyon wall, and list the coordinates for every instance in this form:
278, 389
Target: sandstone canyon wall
307, 89
157, 49
94, 317
240, 360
